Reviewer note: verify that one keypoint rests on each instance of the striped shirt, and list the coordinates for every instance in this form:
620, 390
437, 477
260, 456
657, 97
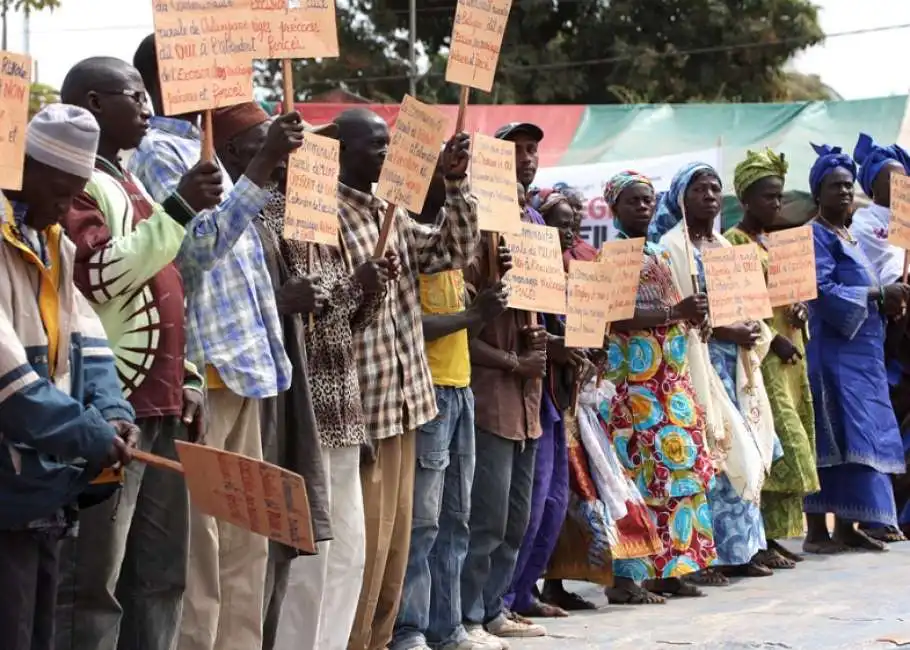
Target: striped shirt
232, 323
395, 381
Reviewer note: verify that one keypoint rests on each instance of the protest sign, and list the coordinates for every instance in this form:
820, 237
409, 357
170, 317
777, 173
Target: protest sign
899, 226
413, 153
476, 41
205, 54
493, 183
311, 199
589, 301
294, 29
16, 78
537, 280
248, 493
623, 258
791, 266
736, 285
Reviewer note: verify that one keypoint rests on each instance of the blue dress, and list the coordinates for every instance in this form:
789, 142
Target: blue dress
857, 438
739, 531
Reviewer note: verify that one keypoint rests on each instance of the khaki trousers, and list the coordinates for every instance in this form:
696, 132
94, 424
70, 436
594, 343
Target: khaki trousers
222, 604
388, 501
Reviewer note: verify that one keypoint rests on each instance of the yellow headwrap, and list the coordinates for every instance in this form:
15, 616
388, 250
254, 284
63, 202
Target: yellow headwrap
756, 166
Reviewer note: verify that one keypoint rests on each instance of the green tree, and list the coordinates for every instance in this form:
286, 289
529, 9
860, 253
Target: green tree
580, 51
40, 95
23, 5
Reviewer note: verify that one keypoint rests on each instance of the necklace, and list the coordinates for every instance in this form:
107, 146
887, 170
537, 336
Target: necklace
841, 231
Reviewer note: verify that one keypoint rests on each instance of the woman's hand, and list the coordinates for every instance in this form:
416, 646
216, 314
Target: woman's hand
693, 309
784, 348
744, 335
797, 314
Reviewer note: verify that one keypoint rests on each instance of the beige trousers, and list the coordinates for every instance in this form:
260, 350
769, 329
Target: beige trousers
225, 581
388, 502
321, 599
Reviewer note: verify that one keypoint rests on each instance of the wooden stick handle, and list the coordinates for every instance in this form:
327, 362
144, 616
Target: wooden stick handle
208, 137
906, 265
287, 82
157, 461
387, 223
462, 109
493, 255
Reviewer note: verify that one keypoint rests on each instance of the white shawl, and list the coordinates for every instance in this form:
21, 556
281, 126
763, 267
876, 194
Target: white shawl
741, 440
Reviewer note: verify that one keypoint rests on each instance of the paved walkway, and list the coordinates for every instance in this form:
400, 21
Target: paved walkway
859, 601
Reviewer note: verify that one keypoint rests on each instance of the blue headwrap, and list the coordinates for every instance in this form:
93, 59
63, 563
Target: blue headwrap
669, 207
872, 157
829, 159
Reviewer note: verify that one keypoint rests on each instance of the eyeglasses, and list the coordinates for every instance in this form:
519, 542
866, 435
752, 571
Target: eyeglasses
137, 96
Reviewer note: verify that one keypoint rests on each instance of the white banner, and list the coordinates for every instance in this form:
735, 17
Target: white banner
597, 225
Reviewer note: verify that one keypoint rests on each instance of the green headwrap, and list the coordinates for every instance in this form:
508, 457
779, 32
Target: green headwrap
756, 166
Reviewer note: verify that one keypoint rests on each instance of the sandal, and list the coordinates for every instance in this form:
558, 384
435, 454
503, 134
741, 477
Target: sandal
780, 549
887, 534
673, 587
632, 595
541, 610
753, 569
857, 540
566, 600
773, 560
825, 547
707, 578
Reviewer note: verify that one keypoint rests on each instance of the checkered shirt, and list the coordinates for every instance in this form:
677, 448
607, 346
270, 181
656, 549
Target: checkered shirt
232, 322
395, 381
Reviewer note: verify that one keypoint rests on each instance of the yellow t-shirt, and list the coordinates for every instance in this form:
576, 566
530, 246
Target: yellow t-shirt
449, 359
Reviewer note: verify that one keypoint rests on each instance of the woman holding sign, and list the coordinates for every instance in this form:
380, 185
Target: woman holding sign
656, 425
739, 422
858, 441
759, 183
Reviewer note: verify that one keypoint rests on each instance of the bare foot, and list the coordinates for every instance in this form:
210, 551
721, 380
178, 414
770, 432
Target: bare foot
543, 610
707, 578
626, 592
854, 539
774, 560
673, 587
753, 569
555, 593
774, 545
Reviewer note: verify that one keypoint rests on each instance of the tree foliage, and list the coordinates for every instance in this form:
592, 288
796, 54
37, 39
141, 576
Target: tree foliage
30, 5
576, 51
40, 95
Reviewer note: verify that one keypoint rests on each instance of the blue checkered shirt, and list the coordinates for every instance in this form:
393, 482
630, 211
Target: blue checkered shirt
231, 311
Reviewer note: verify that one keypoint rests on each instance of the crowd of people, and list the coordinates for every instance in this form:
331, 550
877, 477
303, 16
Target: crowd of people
455, 451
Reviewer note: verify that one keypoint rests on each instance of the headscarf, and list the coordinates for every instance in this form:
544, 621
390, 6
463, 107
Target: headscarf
872, 157
545, 200
621, 181
756, 166
829, 159
669, 204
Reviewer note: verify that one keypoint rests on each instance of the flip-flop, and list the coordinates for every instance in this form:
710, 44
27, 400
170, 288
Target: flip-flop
751, 570
774, 560
783, 550
828, 547
707, 578
676, 588
539, 609
886, 534
633, 595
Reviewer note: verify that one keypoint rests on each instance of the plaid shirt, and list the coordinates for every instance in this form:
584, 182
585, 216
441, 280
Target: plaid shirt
395, 381
230, 302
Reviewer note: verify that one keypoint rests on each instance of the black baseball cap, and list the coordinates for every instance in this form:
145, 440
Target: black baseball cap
508, 131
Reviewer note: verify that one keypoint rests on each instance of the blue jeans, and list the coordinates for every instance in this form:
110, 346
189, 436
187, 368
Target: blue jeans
431, 600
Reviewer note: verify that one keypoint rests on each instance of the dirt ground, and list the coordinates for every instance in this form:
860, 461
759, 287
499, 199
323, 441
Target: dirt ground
859, 601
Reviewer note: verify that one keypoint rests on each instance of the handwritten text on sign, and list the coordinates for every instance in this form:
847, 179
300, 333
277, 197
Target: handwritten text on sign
476, 41
736, 285
205, 53
588, 304
791, 266
413, 153
15, 80
311, 201
295, 29
248, 493
623, 257
537, 279
493, 183
899, 227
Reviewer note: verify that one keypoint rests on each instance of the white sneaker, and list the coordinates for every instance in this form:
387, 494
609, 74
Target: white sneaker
483, 640
504, 627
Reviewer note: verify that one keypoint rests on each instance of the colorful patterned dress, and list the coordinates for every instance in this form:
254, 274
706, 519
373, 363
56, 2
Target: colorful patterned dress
658, 431
794, 475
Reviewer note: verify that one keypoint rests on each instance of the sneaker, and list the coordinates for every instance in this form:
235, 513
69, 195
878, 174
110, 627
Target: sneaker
504, 627
483, 640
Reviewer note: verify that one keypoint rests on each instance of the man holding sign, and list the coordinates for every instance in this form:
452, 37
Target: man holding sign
233, 329
395, 380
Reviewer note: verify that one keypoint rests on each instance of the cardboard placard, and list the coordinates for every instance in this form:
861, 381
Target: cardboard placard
537, 280
476, 41
623, 258
16, 79
205, 54
736, 285
791, 266
248, 493
295, 29
413, 153
493, 183
899, 226
311, 199
589, 300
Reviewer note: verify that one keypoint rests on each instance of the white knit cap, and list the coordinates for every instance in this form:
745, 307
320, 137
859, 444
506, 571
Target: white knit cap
64, 137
